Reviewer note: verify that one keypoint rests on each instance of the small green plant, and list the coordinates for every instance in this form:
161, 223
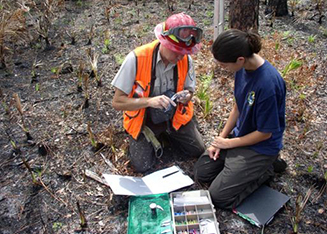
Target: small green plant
205, 81
16, 149
37, 87
220, 126
146, 28
35, 179
299, 207
37, 46
94, 142
118, 21
79, 3
286, 34
83, 221
207, 22
56, 226
210, 14
105, 48
119, 58
315, 154
292, 65
59, 70
34, 74
302, 96
38, 171
203, 94
288, 37
319, 145
111, 137
64, 113
207, 108
54, 70
312, 38
132, 12
277, 45
310, 169
290, 41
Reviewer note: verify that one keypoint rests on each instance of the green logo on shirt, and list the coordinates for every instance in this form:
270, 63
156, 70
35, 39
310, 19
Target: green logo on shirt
251, 98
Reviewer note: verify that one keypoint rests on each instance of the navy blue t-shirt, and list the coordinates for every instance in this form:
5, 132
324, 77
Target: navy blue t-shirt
260, 98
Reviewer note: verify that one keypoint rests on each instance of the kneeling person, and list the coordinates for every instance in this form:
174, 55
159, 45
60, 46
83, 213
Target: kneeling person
145, 87
237, 166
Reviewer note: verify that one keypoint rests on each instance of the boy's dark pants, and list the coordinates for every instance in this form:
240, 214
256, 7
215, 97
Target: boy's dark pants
187, 139
234, 175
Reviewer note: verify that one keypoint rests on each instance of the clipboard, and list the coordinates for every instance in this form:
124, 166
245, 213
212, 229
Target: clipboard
162, 181
261, 206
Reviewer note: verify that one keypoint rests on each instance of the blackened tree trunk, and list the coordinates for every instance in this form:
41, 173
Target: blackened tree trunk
244, 14
277, 7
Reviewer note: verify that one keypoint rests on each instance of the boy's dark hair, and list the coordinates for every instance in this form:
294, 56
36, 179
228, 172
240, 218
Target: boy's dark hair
234, 43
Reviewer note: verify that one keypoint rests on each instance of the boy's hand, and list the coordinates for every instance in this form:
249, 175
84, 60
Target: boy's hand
221, 143
213, 152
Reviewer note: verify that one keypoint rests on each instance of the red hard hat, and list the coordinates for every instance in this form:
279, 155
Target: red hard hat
176, 20
179, 19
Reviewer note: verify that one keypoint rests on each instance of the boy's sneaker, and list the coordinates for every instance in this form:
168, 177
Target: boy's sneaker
279, 165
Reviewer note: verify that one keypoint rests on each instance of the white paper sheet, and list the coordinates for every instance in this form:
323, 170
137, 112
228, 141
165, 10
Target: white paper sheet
162, 181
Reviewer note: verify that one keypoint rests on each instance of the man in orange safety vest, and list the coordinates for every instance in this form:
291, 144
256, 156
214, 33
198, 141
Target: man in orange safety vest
154, 88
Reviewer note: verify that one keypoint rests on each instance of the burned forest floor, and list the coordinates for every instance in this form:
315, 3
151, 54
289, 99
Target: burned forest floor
57, 120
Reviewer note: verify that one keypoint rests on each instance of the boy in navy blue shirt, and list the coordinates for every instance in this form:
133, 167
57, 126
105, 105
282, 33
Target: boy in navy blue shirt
237, 166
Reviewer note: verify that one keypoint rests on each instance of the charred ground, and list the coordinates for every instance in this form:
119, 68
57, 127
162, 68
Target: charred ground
59, 119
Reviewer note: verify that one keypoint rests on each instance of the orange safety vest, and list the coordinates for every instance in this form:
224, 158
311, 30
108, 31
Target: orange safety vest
133, 120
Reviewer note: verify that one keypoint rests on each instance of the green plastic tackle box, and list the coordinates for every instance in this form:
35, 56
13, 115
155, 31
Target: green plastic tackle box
189, 212
141, 218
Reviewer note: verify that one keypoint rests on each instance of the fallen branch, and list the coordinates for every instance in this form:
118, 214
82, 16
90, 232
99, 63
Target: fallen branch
95, 177
109, 163
54, 196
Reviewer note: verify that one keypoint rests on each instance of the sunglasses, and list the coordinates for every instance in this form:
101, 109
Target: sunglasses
186, 34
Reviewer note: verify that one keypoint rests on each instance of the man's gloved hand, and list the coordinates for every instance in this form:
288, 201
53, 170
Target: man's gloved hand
182, 96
